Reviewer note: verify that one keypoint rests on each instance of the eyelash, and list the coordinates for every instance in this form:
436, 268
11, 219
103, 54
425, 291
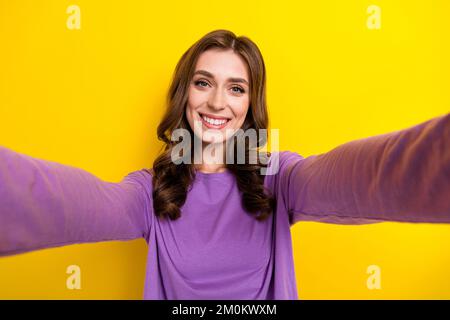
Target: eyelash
201, 81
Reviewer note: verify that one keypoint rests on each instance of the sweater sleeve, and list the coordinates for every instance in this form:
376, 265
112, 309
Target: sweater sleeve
402, 176
46, 204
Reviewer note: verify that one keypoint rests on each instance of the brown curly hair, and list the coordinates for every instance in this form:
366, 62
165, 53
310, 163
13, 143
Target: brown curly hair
171, 181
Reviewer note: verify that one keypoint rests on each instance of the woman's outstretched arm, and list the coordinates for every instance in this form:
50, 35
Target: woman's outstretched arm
401, 176
46, 204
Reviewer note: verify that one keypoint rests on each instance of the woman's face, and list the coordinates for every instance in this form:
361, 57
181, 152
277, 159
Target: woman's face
219, 97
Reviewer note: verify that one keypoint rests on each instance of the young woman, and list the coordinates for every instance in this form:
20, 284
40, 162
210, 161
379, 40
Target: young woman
222, 231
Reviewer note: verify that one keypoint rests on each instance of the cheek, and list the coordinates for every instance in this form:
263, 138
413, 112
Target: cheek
241, 110
196, 98
192, 104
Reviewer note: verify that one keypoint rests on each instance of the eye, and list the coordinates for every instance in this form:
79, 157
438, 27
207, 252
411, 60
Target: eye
240, 90
198, 82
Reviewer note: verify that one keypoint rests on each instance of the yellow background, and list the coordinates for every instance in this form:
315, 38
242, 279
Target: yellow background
93, 98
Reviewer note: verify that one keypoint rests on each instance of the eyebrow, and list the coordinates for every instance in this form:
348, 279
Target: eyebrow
210, 75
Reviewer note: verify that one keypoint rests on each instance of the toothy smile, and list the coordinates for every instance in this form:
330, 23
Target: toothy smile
214, 122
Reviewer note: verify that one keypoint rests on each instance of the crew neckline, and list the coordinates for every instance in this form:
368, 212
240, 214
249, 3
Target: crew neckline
213, 173
207, 175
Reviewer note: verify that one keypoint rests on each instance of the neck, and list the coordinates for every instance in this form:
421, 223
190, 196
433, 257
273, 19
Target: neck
212, 158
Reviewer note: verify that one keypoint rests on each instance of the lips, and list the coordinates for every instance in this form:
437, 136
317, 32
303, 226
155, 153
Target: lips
211, 116
214, 122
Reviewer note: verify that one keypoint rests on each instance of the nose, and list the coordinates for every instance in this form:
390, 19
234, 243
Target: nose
217, 100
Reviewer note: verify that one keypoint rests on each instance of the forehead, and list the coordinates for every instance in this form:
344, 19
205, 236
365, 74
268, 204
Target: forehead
222, 64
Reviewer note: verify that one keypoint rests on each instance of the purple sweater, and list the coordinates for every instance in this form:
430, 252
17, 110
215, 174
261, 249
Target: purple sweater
216, 250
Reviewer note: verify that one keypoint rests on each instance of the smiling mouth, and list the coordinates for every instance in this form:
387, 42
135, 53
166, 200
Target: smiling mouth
214, 123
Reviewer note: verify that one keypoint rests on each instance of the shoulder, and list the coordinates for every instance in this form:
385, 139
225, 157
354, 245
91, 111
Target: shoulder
143, 178
280, 161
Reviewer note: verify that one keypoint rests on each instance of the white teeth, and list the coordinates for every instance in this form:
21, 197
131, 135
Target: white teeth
214, 121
